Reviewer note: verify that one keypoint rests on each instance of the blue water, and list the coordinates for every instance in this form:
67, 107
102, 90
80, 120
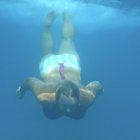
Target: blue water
109, 47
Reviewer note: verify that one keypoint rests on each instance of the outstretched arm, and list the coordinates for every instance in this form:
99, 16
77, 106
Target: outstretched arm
33, 84
96, 87
89, 93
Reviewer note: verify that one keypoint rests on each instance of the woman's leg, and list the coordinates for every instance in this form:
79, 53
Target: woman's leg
48, 44
67, 44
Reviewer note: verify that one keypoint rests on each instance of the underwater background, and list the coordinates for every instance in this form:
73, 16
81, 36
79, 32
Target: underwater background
108, 42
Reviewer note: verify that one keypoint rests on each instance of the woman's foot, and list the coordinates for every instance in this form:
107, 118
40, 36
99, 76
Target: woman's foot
50, 18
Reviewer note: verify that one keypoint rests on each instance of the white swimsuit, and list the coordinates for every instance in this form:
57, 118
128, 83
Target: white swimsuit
52, 62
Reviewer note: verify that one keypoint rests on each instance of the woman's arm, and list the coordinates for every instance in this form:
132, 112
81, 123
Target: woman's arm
33, 84
87, 98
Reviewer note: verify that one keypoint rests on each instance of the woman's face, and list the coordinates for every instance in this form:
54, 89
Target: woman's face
67, 97
67, 103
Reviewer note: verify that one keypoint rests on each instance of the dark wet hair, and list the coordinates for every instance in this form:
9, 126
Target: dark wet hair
67, 87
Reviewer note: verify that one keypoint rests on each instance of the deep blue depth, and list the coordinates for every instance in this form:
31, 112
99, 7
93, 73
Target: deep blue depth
110, 55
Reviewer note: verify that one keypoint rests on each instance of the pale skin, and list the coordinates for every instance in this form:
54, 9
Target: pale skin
44, 90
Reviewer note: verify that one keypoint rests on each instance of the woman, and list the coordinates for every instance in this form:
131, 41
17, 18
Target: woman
60, 92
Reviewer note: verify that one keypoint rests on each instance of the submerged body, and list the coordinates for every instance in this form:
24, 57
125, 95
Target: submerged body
61, 93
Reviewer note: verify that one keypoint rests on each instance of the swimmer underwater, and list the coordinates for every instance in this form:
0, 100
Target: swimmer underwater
60, 93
